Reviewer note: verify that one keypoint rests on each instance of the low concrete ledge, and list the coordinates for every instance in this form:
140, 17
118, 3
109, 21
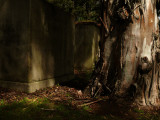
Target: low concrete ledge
27, 87
33, 86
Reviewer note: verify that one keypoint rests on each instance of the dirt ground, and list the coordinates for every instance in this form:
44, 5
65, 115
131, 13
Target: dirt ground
71, 96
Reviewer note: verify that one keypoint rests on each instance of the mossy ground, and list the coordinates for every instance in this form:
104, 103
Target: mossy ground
43, 109
62, 103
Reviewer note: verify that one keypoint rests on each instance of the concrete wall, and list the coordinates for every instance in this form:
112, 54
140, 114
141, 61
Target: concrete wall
52, 40
14, 36
36, 44
86, 45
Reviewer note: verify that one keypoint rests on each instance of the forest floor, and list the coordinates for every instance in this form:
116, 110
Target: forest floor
68, 103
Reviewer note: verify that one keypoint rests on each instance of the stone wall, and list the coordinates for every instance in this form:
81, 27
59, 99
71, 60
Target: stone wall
86, 45
36, 44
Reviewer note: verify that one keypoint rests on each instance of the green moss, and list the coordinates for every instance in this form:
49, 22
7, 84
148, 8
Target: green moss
43, 109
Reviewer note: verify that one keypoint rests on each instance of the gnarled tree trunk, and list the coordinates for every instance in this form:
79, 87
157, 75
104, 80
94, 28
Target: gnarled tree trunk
129, 57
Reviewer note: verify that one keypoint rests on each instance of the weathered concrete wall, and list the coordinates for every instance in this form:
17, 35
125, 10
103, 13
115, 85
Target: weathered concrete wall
36, 44
14, 36
52, 40
86, 45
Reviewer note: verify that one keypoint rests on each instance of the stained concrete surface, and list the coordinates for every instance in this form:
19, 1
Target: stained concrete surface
36, 44
86, 45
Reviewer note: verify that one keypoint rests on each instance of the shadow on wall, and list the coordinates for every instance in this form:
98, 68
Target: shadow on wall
9, 59
36, 42
87, 45
13, 40
52, 38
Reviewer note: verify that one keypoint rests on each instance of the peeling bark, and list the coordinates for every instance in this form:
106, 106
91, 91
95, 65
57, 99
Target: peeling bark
130, 57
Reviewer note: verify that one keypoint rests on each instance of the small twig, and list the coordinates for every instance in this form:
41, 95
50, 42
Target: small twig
105, 26
137, 7
89, 103
97, 91
47, 109
86, 99
82, 100
108, 88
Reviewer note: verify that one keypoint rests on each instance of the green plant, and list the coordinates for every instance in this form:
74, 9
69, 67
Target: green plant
82, 9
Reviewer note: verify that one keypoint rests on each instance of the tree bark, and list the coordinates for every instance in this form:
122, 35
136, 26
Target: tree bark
130, 55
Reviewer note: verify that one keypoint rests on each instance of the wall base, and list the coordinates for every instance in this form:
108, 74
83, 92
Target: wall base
33, 86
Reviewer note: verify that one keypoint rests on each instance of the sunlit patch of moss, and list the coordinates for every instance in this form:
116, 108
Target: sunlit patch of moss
138, 111
87, 108
43, 109
2, 102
